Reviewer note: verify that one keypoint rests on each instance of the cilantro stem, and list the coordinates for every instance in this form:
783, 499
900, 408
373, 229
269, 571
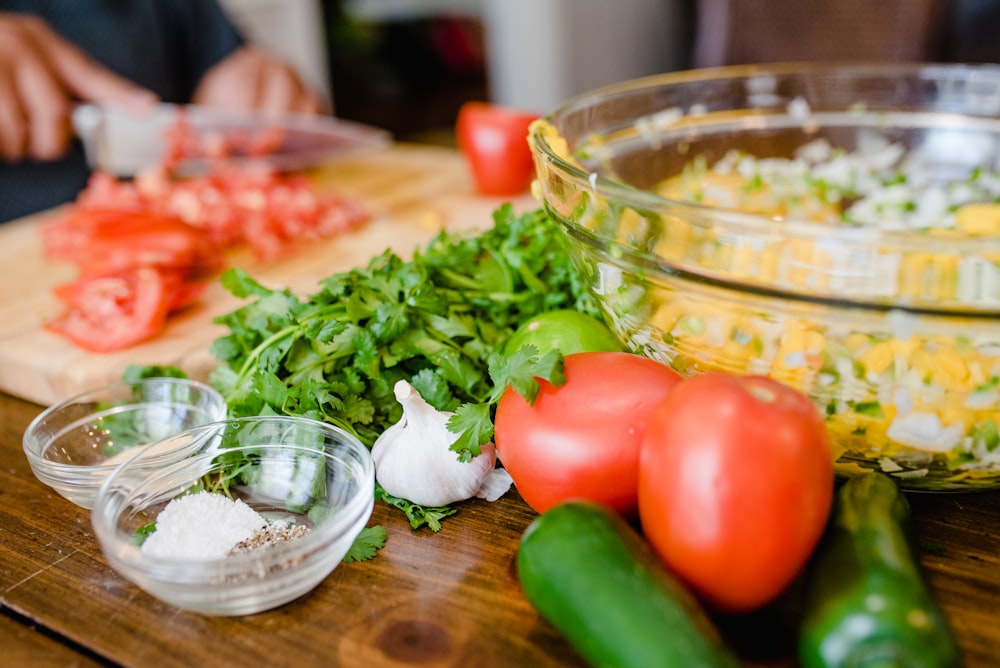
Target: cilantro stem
436, 321
255, 354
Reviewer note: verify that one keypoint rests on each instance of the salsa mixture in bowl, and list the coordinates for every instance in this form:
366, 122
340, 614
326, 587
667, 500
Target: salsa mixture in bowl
836, 227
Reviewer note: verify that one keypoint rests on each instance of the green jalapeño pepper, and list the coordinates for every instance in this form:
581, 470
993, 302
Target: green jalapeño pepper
866, 602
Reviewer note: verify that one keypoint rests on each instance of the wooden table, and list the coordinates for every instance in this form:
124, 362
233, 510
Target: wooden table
430, 600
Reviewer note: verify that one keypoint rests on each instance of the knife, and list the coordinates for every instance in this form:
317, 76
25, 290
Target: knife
124, 143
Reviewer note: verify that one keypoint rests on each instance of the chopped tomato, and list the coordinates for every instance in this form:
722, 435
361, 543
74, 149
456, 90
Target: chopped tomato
114, 312
233, 205
494, 140
184, 142
65, 236
180, 289
103, 242
144, 248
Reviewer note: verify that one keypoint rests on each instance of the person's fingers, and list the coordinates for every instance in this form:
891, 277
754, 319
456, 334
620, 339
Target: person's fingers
306, 101
48, 110
17, 56
13, 122
231, 83
276, 90
251, 79
84, 77
40, 75
44, 103
280, 89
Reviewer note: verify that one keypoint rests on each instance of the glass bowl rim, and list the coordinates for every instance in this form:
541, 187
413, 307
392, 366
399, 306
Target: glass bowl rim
752, 223
36, 457
314, 542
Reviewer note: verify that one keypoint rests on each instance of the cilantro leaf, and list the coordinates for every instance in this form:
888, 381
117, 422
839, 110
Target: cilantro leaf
417, 515
474, 427
135, 372
435, 320
523, 368
366, 544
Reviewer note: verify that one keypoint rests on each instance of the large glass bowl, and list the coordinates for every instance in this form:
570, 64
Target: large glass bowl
832, 226
306, 479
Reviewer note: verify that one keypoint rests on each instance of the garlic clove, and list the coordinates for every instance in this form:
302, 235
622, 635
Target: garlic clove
413, 459
497, 483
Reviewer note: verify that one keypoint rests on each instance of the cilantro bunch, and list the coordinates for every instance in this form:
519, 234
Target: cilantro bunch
437, 321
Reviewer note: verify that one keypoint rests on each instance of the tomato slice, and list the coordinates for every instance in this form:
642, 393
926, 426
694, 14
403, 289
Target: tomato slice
494, 140
159, 244
182, 289
63, 238
102, 242
113, 312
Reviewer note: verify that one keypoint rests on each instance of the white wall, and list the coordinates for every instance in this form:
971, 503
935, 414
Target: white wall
543, 52
540, 53
291, 29
380, 10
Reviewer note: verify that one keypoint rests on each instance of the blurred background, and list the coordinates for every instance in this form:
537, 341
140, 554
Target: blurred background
407, 65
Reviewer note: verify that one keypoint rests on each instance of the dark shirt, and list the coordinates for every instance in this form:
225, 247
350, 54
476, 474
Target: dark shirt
164, 45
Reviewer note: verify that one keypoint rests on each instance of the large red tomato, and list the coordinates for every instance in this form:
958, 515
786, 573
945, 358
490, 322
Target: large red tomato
581, 439
735, 486
494, 140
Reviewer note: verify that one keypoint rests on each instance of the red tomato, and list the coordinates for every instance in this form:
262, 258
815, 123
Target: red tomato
182, 289
71, 231
232, 205
581, 438
494, 140
102, 242
163, 244
735, 485
113, 312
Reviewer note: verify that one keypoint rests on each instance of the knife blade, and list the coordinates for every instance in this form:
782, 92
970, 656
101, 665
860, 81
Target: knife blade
124, 143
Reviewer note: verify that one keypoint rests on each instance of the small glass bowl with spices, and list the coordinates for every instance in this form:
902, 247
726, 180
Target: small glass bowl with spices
74, 445
247, 515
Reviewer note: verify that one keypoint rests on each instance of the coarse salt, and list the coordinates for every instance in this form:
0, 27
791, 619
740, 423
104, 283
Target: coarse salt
204, 525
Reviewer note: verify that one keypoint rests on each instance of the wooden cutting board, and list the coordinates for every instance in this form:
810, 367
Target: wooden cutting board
412, 191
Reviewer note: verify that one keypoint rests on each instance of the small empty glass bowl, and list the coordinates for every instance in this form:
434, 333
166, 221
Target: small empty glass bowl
305, 478
74, 445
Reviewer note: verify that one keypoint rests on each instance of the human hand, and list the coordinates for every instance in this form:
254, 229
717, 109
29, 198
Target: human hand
41, 75
251, 79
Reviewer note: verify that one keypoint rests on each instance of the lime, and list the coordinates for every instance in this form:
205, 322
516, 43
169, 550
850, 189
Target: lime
567, 331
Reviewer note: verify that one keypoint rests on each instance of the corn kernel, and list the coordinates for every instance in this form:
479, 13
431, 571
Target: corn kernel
923, 275
979, 219
633, 228
856, 341
904, 348
949, 370
876, 360
954, 411
768, 263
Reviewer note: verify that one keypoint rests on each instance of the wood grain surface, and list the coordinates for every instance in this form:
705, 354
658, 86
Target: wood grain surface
412, 192
449, 599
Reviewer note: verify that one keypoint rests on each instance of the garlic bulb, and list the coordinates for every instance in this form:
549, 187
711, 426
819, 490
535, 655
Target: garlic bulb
413, 460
